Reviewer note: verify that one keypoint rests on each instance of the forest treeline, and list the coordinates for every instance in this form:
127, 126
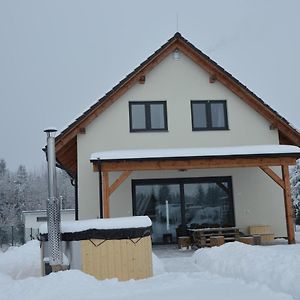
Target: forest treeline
28, 190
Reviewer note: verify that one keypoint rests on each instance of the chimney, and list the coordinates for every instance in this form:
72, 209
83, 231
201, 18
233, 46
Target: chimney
53, 207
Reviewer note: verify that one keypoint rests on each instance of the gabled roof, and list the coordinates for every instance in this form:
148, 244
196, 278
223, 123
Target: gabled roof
66, 142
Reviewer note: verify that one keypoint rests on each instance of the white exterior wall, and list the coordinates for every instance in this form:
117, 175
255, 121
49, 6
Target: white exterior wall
32, 225
179, 82
30, 217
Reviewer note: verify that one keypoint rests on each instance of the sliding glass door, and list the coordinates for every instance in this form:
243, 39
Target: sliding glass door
208, 203
161, 202
171, 203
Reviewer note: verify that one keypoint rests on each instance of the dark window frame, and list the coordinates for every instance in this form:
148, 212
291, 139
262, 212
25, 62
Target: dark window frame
181, 181
147, 105
209, 115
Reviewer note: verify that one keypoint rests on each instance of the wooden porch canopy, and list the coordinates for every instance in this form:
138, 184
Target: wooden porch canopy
263, 157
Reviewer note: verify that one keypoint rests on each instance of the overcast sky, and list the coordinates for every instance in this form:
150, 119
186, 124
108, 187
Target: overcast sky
58, 57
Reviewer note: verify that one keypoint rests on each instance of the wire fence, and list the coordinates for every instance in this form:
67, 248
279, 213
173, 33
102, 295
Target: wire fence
16, 235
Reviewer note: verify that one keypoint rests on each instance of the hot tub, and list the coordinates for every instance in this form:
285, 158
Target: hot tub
105, 248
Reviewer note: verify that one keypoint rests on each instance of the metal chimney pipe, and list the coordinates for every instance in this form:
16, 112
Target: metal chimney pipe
53, 207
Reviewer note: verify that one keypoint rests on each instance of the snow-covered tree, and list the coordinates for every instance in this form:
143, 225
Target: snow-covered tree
3, 169
23, 190
295, 190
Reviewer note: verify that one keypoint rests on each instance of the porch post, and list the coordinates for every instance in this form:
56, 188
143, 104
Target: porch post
105, 181
289, 215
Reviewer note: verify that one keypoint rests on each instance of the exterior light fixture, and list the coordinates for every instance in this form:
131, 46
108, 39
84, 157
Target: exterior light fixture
176, 54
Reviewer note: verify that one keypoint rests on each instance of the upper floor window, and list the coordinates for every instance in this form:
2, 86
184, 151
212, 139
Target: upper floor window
209, 115
148, 116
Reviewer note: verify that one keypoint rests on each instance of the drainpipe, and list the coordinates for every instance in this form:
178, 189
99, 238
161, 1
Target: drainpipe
53, 207
100, 189
76, 198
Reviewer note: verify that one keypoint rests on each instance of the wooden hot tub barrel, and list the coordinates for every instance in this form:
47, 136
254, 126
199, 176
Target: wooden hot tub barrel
123, 252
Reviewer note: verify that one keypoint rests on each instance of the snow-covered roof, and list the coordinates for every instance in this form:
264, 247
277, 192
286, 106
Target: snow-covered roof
196, 152
110, 223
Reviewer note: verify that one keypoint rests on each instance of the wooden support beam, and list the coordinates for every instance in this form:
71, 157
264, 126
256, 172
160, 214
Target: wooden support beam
212, 78
119, 181
82, 130
105, 182
142, 79
289, 214
205, 163
273, 175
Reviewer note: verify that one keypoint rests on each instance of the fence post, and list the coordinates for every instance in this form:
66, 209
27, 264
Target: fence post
12, 235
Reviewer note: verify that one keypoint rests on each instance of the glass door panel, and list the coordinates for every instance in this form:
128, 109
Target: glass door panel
161, 202
208, 204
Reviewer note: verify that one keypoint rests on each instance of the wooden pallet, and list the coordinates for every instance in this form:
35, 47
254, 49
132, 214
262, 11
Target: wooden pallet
265, 233
201, 237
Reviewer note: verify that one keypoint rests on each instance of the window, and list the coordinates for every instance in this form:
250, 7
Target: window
175, 203
148, 116
41, 219
209, 115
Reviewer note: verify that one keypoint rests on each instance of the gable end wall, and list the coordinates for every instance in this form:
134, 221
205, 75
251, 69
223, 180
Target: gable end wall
177, 82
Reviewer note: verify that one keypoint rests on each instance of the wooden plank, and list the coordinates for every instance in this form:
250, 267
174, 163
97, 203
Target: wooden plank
273, 176
117, 258
247, 240
289, 214
110, 259
130, 258
217, 240
148, 253
119, 181
105, 183
124, 260
70, 147
259, 229
103, 259
193, 163
120, 259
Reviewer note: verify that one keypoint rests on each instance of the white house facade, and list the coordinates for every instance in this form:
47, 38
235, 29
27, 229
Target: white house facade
219, 154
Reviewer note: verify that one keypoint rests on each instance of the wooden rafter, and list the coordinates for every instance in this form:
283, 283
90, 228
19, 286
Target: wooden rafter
119, 181
273, 175
68, 147
289, 214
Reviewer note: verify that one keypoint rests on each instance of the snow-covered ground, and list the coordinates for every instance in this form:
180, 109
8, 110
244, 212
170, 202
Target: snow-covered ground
234, 271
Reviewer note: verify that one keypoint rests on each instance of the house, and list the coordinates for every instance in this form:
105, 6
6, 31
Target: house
184, 142
32, 220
